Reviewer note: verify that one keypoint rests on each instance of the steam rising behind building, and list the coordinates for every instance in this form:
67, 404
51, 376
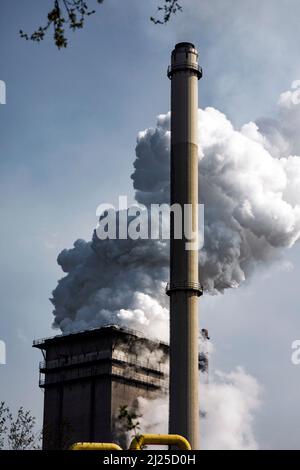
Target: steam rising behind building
88, 376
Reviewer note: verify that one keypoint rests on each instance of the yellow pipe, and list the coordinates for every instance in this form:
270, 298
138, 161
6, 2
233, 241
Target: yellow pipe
160, 439
95, 446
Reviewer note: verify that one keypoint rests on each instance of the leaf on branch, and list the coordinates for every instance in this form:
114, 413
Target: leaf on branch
18, 433
64, 12
73, 13
171, 7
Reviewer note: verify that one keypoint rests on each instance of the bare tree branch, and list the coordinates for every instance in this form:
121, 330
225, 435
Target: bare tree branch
73, 13
70, 13
167, 10
4, 416
18, 433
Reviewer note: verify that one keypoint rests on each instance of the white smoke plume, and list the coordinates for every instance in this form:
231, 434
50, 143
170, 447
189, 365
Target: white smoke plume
228, 404
113, 282
249, 184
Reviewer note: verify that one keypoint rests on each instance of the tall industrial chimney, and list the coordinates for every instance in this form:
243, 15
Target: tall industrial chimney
184, 288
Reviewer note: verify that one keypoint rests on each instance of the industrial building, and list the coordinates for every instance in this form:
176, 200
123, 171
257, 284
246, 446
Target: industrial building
87, 376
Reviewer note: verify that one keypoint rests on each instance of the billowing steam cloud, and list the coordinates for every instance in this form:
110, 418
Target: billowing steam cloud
227, 407
229, 403
249, 184
113, 282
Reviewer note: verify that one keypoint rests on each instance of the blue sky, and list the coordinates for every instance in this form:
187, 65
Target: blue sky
67, 140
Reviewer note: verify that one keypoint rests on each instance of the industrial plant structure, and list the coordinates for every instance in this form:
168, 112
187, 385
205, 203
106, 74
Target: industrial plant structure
88, 376
184, 288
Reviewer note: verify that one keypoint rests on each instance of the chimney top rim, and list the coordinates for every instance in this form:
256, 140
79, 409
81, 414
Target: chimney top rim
184, 44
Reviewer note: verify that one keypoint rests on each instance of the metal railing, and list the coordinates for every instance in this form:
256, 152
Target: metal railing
76, 374
160, 367
138, 334
194, 286
184, 67
74, 360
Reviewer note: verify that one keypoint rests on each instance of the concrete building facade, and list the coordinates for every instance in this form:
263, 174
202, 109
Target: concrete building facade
88, 376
